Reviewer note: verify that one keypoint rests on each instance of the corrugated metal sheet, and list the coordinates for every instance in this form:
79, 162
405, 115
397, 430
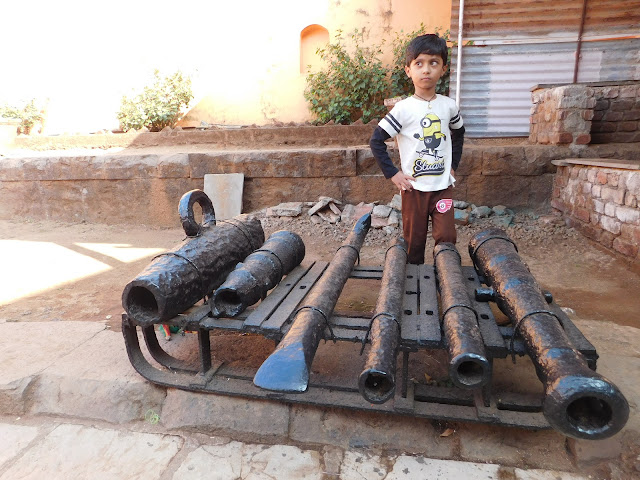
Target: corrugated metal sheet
517, 44
553, 20
496, 80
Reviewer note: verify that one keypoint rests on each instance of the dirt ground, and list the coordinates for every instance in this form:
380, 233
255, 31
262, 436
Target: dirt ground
63, 271
56, 271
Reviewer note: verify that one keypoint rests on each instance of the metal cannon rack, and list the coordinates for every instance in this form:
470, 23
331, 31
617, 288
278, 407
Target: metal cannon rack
420, 329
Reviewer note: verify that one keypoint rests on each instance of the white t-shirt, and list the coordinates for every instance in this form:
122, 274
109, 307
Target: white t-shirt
424, 139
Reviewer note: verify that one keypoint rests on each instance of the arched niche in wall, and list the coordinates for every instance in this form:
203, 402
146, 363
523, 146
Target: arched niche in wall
312, 37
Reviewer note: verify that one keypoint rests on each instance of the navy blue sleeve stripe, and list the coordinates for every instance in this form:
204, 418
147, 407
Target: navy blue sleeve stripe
455, 119
393, 122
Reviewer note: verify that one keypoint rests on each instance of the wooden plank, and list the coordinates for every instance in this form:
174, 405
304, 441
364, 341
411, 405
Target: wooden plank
420, 323
493, 341
408, 324
578, 340
599, 162
266, 308
291, 301
429, 317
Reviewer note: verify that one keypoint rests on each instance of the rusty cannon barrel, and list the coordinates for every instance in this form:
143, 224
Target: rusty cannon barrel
468, 364
258, 273
287, 368
177, 279
377, 382
578, 402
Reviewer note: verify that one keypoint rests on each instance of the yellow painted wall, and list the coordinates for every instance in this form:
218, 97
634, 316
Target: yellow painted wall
244, 57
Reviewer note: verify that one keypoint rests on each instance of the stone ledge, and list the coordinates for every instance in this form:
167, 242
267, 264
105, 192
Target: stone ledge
598, 162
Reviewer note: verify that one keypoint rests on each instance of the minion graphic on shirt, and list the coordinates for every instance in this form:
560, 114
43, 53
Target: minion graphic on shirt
431, 136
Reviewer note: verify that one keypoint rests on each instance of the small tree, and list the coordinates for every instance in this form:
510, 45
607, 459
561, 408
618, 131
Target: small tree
159, 105
351, 86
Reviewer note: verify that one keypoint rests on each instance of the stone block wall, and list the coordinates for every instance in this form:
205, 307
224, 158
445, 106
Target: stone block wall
603, 204
580, 114
562, 115
616, 116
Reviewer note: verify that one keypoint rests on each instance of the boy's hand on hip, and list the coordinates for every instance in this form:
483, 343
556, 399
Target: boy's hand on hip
402, 181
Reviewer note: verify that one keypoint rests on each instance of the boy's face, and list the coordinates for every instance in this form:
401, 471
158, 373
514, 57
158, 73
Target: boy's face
425, 71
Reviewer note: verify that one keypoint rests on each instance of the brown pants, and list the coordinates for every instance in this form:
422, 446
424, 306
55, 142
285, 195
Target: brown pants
417, 207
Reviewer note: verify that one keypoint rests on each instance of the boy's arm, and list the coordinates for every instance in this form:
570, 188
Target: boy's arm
457, 141
389, 170
379, 150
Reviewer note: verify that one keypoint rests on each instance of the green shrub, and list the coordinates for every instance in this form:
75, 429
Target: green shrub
29, 115
159, 105
352, 85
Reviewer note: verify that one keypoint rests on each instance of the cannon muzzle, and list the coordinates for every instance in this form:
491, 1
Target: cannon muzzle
377, 382
287, 368
177, 279
578, 402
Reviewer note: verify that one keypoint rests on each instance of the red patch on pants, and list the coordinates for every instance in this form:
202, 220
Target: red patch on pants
444, 205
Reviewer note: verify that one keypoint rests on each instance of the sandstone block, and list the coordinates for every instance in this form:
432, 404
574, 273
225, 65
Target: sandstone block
628, 214
625, 247
610, 209
224, 413
381, 211
287, 209
610, 225
613, 195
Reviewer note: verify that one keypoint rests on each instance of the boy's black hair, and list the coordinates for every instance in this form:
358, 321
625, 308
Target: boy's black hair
430, 44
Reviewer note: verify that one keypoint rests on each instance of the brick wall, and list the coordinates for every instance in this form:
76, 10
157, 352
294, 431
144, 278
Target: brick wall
562, 115
616, 116
585, 113
602, 203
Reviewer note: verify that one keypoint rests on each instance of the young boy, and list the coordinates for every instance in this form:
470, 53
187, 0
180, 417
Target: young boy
430, 139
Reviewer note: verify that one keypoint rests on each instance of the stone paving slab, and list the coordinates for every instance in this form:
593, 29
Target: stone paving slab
14, 439
78, 452
27, 348
72, 452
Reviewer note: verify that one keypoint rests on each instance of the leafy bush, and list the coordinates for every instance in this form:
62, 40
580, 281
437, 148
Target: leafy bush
354, 85
351, 86
400, 83
29, 115
159, 105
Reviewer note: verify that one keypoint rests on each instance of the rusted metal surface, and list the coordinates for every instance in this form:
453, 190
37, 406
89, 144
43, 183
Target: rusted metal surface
298, 313
258, 273
420, 330
176, 280
578, 402
377, 382
468, 364
525, 19
287, 368
518, 44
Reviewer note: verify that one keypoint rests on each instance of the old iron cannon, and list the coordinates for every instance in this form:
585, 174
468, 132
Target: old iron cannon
578, 402
377, 382
177, 279
263, 288
287, 368
468, 364
258, 273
